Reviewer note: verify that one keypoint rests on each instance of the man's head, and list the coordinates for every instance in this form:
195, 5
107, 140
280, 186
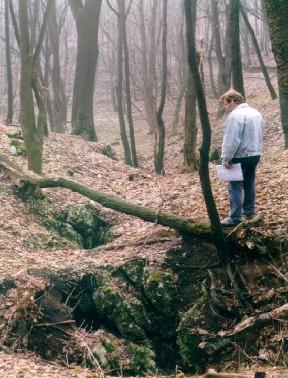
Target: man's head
231, 99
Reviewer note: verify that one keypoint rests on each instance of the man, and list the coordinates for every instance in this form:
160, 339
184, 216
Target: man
242, 143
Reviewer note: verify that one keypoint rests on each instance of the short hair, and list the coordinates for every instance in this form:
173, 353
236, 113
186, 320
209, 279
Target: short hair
231, 96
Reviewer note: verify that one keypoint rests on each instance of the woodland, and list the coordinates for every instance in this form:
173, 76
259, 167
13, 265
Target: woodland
113, 260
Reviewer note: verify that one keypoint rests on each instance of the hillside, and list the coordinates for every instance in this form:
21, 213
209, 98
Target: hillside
28, 246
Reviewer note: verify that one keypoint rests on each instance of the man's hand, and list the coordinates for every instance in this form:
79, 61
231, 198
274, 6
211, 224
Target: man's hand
227, 165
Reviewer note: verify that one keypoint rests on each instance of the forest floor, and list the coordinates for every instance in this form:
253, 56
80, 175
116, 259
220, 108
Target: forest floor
25, 241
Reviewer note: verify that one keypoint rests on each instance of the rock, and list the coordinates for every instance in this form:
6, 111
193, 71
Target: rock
120, 307
16, 134
18, 147
121, 357
83, 225
189, 335
133, 271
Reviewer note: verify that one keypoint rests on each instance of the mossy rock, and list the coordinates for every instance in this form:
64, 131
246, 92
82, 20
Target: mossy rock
160, 289
119, 357
83, 218
68, 232
16, 134
84, 225
109, 152
190, 335
120, 307
18, 147
133, 271
142, 360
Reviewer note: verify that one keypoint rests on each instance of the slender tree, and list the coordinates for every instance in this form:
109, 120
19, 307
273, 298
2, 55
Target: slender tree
159, 132
120, 14
258, 53
127, 83
59, 97
190, 125
148, 63
223, 78
9, 117
219, 238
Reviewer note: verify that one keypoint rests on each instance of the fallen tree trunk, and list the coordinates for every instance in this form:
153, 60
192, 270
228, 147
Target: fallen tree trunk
181, 224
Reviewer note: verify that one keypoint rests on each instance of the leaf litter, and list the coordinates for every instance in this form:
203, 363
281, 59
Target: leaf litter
176, 192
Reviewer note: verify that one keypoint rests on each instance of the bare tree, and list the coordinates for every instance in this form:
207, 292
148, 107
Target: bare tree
32, 130
277, 12
220, 241
190, 125
59, 97
159, 132
148, 64
258, 53
235, 50
9, 117
86, 16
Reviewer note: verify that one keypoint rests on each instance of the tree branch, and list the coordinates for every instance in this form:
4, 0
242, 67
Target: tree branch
113, 9
14, 21
76, 7
42, 30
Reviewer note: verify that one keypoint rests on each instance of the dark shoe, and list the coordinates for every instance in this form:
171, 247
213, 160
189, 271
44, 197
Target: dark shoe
249, 217
228, 222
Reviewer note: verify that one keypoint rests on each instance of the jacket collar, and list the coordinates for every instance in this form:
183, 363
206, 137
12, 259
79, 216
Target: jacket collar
243, 105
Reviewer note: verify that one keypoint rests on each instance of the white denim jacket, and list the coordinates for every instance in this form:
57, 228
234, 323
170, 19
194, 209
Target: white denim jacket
243, 134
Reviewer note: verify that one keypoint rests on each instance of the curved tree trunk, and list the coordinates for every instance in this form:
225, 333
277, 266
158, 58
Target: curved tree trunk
87, 22
220, 240
277, 13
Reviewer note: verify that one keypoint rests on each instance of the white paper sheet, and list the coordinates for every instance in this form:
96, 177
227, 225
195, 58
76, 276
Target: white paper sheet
232, 174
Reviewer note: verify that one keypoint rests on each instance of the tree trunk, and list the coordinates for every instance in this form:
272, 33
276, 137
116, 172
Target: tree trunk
210, 67
190, 125
9, 117
277, 12
258, 52
119, 88
87, 23
220, 240
147, 83
236, 64
128, 89
159, 146
223, 80
59, 98
31, 135
177, 109
46, 74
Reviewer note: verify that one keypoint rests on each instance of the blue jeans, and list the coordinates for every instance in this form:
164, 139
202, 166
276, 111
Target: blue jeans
238, 202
